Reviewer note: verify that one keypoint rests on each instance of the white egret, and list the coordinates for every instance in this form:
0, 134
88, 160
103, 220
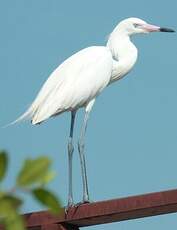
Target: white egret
79, 80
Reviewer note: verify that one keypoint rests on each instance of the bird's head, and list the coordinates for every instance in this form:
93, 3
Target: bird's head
132, 26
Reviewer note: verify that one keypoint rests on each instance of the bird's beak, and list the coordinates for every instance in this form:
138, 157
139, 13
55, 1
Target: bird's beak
153, 28
163, 29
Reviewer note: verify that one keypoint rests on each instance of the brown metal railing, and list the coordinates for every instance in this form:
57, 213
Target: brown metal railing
105, 212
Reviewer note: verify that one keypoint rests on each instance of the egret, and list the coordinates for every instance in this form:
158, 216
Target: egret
78, 81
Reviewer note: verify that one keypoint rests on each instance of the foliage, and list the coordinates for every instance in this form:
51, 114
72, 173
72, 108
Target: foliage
32, 178
3, 164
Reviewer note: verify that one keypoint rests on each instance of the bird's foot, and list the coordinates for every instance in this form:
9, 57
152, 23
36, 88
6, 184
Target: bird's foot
69, 205
85, 201
72, 205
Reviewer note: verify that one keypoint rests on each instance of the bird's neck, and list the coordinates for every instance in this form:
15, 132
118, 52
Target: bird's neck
124, 54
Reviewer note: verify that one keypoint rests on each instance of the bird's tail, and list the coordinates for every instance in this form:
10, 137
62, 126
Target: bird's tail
25, 116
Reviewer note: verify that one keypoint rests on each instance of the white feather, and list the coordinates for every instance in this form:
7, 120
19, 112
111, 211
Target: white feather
81, 78
73, 84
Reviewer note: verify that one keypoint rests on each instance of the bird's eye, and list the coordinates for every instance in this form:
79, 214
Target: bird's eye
136, 25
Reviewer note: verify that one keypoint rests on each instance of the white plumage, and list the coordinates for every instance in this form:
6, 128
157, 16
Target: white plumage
81, 78
73, 84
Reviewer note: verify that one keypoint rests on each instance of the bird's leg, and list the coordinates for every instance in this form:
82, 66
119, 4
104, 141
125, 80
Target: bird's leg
81, 146
70, 157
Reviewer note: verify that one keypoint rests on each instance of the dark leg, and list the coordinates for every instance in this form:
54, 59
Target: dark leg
81, 146
70, 157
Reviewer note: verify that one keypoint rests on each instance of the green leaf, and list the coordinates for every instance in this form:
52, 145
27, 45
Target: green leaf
14, 201
33, 171
5, 208
49, 176
48, 199
2, 194
16, 223
9, 215
3, 164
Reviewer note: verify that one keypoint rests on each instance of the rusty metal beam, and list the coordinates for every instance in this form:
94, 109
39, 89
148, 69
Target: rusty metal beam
57, 227
109, 211
105, 212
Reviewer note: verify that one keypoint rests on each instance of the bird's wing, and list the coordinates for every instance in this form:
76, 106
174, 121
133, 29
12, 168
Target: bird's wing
73, 84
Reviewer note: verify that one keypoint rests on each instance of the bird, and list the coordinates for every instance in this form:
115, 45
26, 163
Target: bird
78, 81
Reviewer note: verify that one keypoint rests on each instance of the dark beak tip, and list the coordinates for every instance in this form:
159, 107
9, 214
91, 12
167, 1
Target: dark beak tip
168, 30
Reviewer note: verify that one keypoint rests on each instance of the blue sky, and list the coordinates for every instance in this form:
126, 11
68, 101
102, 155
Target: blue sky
132, 133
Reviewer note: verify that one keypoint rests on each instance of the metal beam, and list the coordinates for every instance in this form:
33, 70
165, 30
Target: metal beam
102, 212
106, 211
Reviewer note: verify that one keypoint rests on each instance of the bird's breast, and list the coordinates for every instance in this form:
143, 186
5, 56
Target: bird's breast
123, 66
